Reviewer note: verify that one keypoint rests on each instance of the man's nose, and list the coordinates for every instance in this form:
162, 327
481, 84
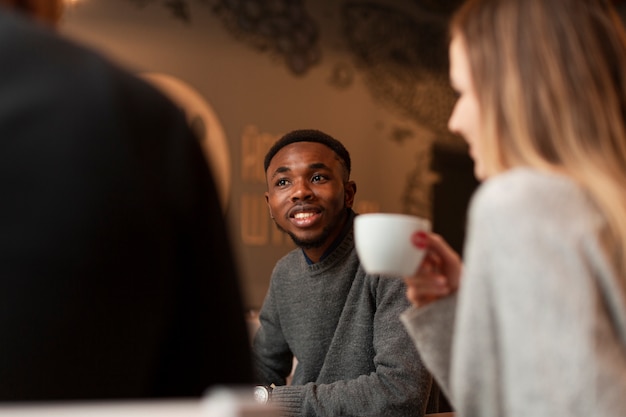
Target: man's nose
301, 191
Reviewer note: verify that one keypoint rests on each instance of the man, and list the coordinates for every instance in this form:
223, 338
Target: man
341, 324
116, 276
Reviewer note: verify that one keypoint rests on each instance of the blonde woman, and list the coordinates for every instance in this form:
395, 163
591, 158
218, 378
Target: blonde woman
533, 323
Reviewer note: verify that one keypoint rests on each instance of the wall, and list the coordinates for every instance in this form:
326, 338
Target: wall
374, 75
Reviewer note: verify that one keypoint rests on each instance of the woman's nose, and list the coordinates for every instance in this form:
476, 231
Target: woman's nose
452, 122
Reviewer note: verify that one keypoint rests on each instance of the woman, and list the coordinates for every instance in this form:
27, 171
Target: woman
534, 322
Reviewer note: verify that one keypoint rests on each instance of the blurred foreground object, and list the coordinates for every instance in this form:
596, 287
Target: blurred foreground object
116, 275
47, 11
218, 402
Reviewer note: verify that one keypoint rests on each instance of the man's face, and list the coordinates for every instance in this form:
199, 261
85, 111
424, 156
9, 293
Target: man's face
308, 194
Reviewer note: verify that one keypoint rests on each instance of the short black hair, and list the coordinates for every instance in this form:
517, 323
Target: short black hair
309, 135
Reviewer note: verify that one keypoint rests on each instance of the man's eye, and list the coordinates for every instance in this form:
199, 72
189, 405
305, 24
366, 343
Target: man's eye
317, 178
281, 182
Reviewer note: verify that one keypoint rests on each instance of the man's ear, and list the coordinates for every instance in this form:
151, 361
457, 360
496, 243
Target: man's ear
350, 191
267, 201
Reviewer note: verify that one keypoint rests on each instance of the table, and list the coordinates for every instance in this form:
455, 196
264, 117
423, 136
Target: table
215, 406
179, 408
220, 403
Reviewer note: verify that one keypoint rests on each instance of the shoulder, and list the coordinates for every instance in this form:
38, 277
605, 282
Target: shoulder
386, 290
529, 197
527, 187
293, 263
56, 65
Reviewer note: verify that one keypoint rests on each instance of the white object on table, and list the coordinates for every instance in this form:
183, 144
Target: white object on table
218, 402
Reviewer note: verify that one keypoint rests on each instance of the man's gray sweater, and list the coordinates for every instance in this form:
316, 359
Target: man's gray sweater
354, 356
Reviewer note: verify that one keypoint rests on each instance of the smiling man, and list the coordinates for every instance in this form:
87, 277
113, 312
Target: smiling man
341, 324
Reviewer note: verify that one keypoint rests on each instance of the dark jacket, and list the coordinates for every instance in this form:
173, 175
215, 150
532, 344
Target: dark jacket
116, 274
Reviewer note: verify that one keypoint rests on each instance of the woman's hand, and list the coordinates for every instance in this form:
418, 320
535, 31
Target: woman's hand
439, 274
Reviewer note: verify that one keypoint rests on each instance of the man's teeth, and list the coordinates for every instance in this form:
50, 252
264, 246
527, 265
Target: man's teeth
301, 216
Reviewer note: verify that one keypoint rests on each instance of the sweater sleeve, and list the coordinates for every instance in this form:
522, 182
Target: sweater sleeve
271, 354
431, 329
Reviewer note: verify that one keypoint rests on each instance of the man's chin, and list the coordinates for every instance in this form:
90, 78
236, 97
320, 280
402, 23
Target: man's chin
308, 243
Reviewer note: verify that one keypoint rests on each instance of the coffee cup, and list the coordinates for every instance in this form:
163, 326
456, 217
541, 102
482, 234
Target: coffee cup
384, 245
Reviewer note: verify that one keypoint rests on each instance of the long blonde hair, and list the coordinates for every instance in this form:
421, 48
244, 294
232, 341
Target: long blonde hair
551, 80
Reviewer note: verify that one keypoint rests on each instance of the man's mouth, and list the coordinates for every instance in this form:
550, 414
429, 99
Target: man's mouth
305, 218
301, 216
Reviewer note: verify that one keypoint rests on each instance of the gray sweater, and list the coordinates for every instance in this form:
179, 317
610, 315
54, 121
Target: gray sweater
540, 323
354, 356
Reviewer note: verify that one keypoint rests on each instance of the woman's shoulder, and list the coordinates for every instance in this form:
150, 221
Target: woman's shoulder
526, 188
529, 195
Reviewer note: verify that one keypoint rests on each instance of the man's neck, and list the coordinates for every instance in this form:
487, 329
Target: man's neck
315, 255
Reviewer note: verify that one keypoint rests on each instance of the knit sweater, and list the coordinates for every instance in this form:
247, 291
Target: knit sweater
538, 326
354, 356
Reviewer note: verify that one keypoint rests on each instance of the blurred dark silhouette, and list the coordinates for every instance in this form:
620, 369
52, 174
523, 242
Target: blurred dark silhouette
452, 193
45, 11
116, 274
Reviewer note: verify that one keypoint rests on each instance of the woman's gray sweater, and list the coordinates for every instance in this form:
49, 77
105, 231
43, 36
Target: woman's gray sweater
354, 356
540, 323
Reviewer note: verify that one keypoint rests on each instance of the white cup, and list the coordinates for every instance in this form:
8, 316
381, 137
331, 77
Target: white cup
383, 242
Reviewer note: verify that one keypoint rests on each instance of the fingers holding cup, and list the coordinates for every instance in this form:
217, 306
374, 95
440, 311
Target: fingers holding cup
438, 274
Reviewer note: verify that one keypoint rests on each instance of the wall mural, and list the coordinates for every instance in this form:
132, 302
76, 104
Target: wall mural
403, 56
282, 28
397, 48
404, 60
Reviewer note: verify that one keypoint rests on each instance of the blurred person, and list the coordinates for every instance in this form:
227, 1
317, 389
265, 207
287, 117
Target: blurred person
533, 323
45, 11
116, 275
353, 356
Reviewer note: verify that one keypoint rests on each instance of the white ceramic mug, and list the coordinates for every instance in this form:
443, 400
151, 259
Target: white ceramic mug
383, 242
